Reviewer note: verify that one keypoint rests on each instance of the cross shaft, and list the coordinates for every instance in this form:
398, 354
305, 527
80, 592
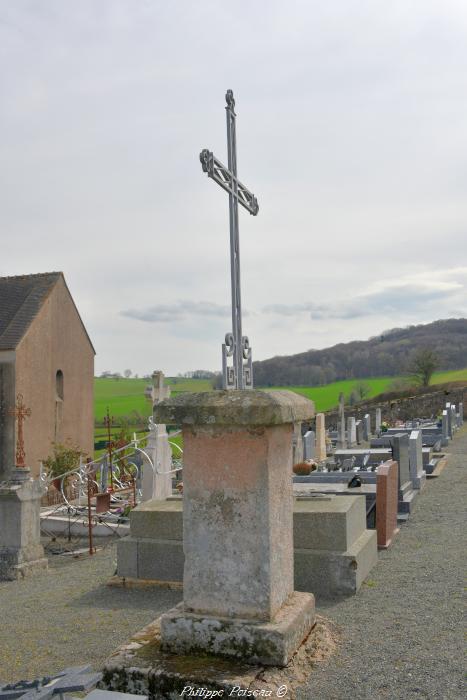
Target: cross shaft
239, 375
20, 412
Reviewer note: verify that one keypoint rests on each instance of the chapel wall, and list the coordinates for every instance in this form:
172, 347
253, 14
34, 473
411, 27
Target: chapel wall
56, 340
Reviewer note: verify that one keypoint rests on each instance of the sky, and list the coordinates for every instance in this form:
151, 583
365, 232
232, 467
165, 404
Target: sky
351, 132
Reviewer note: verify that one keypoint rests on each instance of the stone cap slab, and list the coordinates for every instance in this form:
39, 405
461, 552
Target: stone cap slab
242, 408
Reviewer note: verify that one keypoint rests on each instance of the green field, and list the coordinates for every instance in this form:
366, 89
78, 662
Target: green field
124, 396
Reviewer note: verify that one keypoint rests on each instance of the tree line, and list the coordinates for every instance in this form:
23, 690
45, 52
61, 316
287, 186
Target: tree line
393, 352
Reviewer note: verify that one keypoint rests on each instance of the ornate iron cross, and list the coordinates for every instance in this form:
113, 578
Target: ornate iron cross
20, 412
239, 375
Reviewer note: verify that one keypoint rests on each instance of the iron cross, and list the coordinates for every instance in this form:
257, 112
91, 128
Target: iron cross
239, 375
20, 412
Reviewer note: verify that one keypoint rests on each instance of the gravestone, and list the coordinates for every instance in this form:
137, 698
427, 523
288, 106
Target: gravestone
386, 503
351, 432
157, 479
453, 418
309, 445
157, 391
449, 415
400, 448
461, 413
341, 443
297, 444
378, 421
366, 427
418, 475
238, 596
445, 425
320, 437
359, 431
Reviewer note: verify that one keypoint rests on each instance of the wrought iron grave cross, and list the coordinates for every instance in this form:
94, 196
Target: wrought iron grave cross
20, 412
239, 375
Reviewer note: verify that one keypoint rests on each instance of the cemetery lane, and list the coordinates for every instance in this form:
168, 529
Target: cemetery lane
401, 635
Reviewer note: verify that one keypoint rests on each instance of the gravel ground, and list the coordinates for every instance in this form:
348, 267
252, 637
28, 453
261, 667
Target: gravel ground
401, 634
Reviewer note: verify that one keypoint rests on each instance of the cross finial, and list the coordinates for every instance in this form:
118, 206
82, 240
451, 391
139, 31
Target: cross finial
20, 412
229, 98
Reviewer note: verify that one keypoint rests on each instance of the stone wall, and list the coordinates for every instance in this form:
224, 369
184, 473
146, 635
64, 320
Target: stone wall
423, 405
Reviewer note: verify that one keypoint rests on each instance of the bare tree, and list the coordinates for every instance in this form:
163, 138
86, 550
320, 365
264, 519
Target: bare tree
423, 365
127, 373
362, 389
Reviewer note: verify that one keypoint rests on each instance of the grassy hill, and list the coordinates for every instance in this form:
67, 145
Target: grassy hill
387, 354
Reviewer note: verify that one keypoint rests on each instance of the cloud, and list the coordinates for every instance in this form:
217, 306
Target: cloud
404, 297
179, 311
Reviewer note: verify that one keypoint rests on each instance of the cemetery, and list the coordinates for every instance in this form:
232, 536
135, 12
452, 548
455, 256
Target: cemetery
245, 543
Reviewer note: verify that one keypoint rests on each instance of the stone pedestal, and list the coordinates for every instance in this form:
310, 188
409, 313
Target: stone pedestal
20, 549
238, 598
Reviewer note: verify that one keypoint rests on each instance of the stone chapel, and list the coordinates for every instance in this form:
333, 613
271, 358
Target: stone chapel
47, 356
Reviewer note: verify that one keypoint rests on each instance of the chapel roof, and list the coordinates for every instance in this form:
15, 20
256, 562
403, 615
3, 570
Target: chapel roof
21, 299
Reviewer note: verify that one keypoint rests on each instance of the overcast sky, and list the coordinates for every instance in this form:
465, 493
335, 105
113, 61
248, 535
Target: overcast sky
351, 131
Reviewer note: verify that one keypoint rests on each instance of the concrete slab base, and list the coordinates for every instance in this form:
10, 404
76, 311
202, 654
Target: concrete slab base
333, 550
141, 666
331, 574
254, 642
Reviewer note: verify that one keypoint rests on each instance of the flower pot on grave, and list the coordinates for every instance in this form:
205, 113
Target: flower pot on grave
302, 469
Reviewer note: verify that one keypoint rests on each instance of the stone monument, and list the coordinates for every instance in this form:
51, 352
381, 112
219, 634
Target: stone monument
351, 432
21, 551
341, 443
238, 597
320, 453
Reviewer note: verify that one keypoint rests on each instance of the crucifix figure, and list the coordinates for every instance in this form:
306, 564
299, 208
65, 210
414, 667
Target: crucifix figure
239, 375
20, 412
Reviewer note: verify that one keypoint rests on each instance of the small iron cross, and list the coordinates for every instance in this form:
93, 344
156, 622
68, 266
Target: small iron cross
239, 375
20, 412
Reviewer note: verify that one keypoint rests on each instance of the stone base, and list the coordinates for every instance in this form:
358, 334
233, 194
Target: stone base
20, 550
16, 572
141, 666
265, 643
419, 482
406, 502
334, 574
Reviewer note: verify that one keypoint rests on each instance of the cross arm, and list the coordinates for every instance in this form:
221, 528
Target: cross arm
222, 175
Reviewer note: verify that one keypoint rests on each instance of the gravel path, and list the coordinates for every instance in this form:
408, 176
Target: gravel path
401, 634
